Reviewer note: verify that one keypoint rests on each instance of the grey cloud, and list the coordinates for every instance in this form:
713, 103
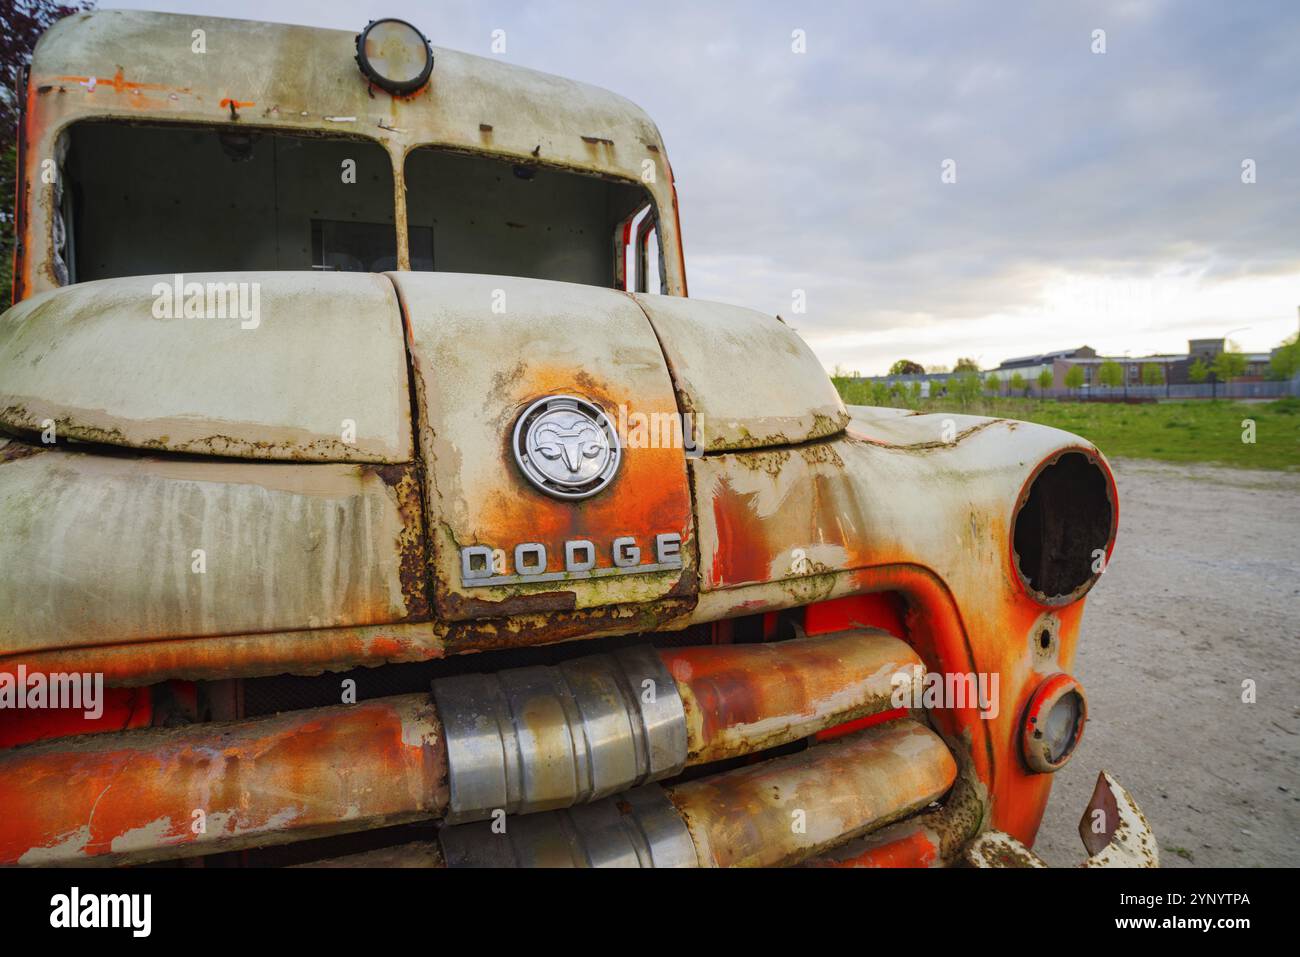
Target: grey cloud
821, 171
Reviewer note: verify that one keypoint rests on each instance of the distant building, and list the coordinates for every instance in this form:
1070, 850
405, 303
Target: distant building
1030, 367
1175, 368
1207, 350
1041, 362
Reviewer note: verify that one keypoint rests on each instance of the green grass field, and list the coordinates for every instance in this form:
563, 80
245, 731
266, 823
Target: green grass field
1192, 431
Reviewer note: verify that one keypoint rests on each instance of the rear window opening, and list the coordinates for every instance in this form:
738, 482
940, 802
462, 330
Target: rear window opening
147, 200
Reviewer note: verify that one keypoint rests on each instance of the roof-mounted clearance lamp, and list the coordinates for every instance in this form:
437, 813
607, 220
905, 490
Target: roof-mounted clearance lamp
394, 55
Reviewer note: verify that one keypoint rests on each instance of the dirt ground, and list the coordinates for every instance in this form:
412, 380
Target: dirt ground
1202, 593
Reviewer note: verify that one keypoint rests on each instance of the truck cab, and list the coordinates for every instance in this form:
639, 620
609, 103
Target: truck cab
372, 492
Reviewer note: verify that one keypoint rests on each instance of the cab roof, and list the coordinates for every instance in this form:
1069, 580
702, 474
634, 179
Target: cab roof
142, 65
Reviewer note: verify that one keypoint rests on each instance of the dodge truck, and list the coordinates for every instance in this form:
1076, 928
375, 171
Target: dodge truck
371, 492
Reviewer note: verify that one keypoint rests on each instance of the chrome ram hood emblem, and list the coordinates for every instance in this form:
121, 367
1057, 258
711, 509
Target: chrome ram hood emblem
566, 446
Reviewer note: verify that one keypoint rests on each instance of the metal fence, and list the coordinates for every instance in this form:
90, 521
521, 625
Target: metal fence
1270, 389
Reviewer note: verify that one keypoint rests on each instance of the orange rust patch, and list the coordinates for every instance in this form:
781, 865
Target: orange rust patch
916, 849
272, 779
742, 698
240, 656
649, 496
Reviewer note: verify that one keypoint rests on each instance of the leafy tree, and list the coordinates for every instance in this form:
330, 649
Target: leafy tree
1198, 372
1286, 361
1228, 365
21, 24
966, 365
879, 393
1074, 377
906, 367
1152, 374
1045, 379
1110, 374
993, 384
1018, 383
966, 387
851, 389
914, 391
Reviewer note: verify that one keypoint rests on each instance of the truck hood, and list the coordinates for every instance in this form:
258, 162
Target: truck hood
337, 378
279, 365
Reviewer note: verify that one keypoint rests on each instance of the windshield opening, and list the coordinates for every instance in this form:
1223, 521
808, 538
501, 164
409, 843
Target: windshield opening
492, 216
143, 200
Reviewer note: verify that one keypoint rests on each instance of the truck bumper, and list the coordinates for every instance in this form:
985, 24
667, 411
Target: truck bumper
1113, 828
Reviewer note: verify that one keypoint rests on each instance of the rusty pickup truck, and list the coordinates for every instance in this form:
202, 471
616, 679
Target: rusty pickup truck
371, 492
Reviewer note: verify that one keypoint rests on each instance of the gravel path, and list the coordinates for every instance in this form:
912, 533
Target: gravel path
1202, 593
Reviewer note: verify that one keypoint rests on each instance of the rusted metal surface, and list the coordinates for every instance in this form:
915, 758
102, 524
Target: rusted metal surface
1001, 850
1114, 829
327, 350
784, 810
744, 698
493, 634
932, 838
417, 854
708, 344
534, 739
998, 628
921, 505
159, 793
908, 430
537, 738
1114, 839
778, 812
850, 502
900, 845
299, 79
11, 450
333, 564
519, 741
639, 828
215, 657
312, 651
110, 541
547, 338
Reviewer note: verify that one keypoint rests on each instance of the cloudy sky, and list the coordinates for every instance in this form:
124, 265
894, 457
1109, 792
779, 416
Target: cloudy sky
1098, 196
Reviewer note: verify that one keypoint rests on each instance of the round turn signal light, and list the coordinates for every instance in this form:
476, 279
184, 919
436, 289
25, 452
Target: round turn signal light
1053, 723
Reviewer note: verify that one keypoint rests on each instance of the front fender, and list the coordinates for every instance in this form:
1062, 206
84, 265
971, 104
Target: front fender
924, 505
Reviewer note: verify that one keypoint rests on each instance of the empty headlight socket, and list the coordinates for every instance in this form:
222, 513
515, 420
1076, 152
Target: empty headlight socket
1063, 527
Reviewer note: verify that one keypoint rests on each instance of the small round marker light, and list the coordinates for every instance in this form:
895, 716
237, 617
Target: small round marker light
394, 55
1053, 723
